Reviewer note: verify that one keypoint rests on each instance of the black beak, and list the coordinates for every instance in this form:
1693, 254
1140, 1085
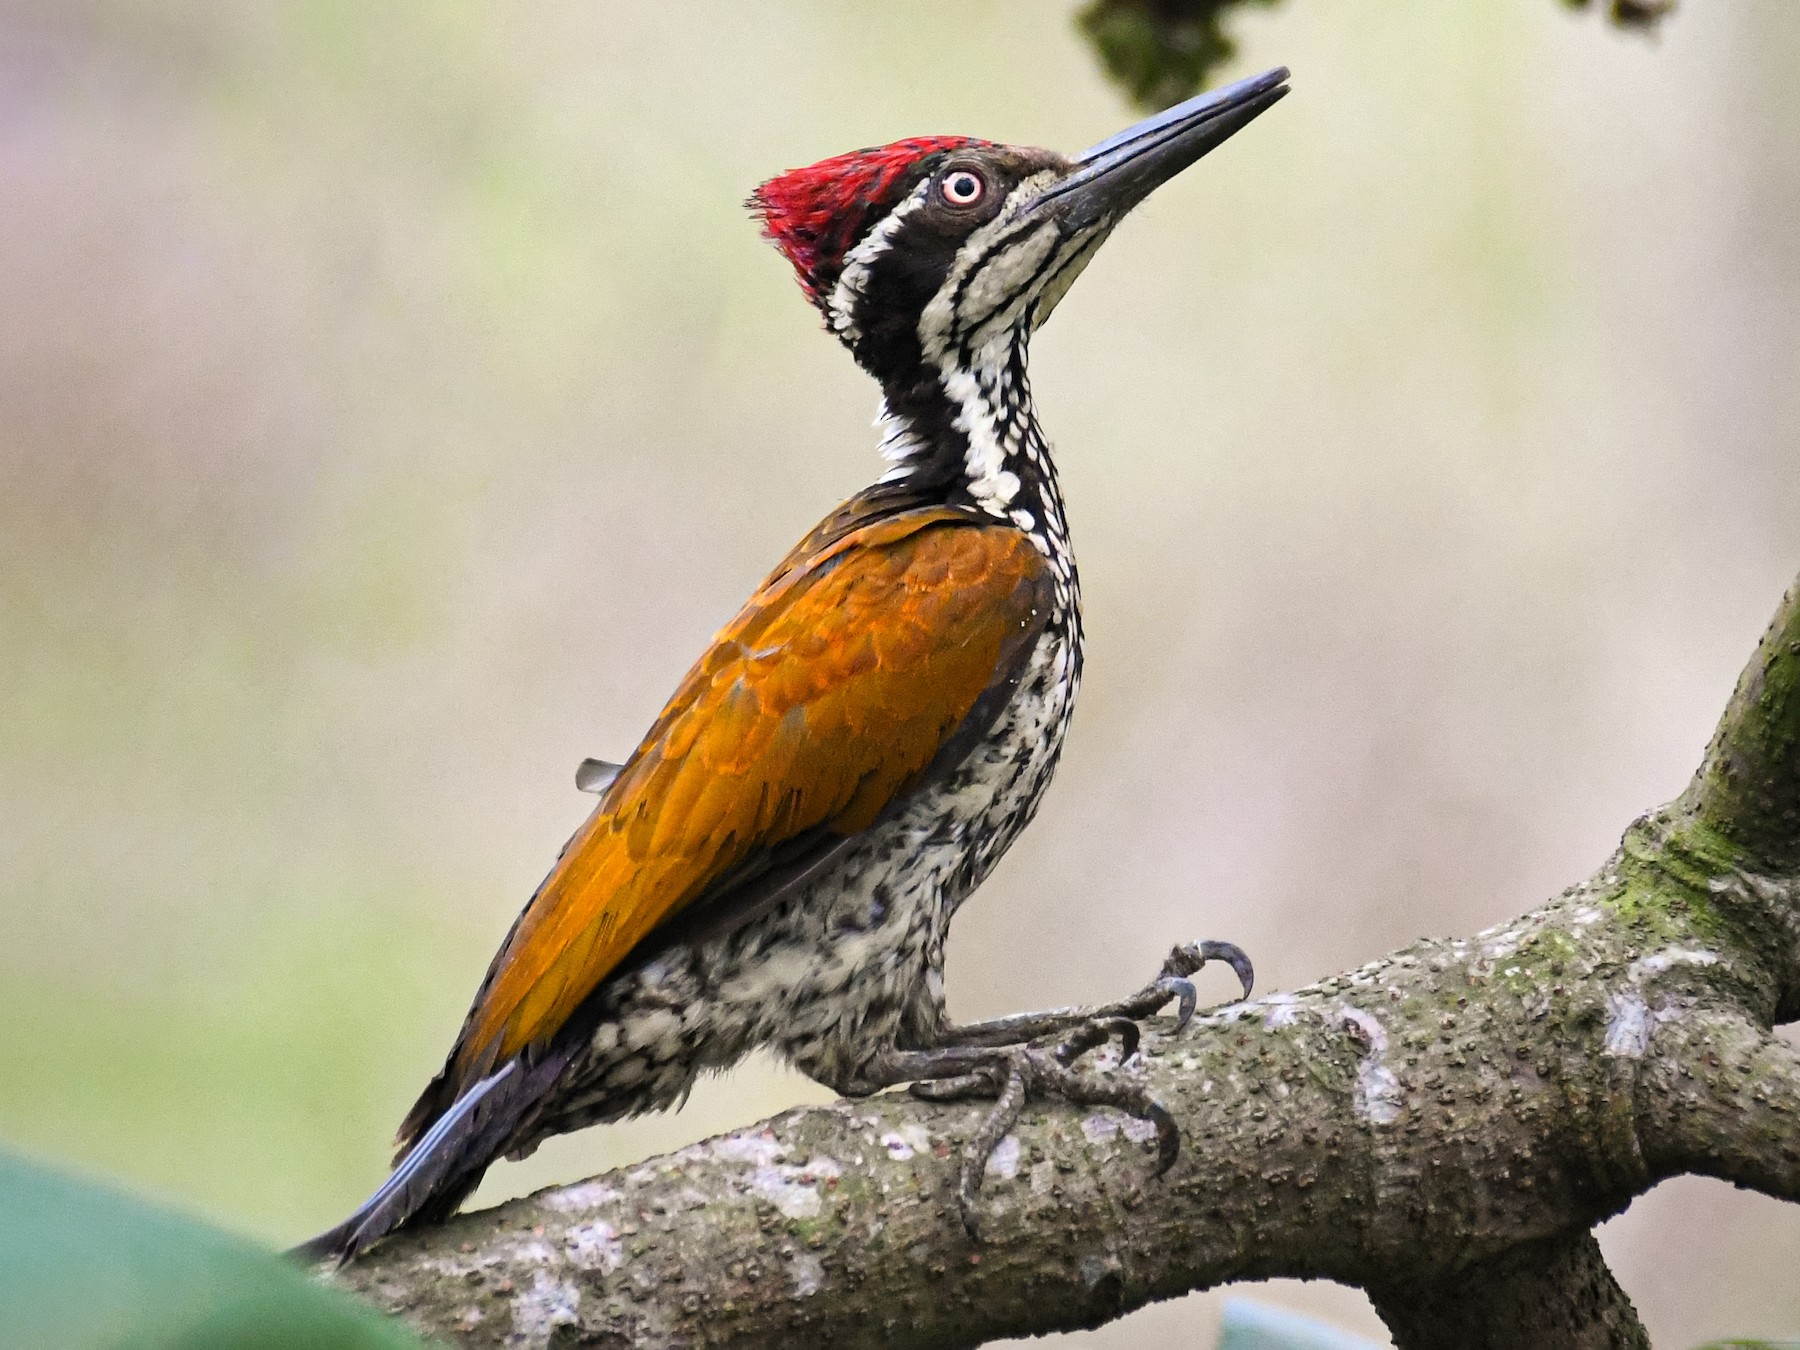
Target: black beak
1115, 175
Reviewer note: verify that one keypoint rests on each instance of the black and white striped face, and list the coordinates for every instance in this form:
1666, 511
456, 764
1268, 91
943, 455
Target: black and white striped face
960, 265
940, 252
934, 259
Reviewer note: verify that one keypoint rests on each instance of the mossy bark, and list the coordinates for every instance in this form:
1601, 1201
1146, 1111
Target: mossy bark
1442, 1127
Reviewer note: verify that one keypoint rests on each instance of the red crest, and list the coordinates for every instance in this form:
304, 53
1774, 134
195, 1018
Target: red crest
816, 215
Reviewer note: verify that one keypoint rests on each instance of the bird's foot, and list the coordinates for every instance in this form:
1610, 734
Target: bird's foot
1173, 983
1012, 1075
1015, 1058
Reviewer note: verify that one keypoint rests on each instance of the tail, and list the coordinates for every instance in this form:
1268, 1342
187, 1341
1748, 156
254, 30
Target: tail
439, 1171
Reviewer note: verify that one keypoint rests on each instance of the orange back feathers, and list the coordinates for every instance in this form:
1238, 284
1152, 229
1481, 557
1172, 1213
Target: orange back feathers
817, 707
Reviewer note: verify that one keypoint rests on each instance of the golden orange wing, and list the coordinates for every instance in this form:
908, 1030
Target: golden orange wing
823, 700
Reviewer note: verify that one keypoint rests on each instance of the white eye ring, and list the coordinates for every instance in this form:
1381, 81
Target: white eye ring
964, 187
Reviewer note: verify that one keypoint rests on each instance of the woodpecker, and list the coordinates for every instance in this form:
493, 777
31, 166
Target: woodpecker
777, 863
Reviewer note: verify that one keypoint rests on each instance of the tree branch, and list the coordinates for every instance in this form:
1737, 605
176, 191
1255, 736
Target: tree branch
1543, 1293
1748, 788
1725, 1102
1441, 1127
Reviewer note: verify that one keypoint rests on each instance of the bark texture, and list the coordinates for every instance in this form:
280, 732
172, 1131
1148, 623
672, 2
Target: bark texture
1557, 1293
1442, 1127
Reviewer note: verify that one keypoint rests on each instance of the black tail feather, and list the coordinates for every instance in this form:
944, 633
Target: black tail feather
440, 1171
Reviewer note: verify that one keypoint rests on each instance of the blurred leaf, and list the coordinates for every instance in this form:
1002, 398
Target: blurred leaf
1161, 51
1255, 1326
85, 1268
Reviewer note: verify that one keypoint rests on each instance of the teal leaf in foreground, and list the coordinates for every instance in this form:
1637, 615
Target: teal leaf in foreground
83, 1267
1256, 1326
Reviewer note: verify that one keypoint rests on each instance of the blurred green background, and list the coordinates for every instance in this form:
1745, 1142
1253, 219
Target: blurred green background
393, 398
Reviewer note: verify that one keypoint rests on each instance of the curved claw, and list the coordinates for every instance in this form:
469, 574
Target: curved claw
1129, 1034
1183, 989
971, 1223
1232, 955
1168, 1137
1097, 1032
1188, 959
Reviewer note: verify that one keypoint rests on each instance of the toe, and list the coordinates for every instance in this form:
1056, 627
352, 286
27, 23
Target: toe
1168, 1137
1183, 989
1232, 955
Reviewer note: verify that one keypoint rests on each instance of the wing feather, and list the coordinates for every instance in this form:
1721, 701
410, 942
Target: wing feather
813, 711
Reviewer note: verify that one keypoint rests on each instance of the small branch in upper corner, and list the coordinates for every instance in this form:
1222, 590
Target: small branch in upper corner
1641, 14
1162, 51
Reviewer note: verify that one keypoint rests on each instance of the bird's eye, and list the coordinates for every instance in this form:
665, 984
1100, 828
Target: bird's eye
964, 187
